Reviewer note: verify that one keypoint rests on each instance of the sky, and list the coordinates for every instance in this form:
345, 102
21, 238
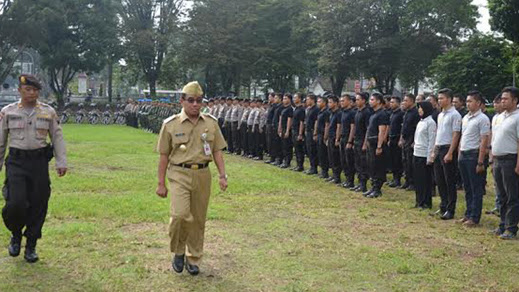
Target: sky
483, 22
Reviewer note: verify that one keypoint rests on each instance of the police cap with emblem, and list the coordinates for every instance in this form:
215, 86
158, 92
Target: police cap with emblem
27, 79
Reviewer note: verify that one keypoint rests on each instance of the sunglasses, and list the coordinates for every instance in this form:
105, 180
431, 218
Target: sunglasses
193, 100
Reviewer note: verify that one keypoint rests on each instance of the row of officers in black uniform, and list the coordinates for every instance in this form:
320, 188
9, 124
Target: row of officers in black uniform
429, 143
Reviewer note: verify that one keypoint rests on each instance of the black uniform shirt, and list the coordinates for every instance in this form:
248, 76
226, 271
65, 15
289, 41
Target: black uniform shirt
411, 119
299, 116
335, 119
378, 118
361, 123
347, 118
270, 113
311, 117
286, 112
463, 111
277, 114
322, 118
395, 123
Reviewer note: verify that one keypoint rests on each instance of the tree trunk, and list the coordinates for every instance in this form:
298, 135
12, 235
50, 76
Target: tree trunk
338, 83
110, 78
153, 87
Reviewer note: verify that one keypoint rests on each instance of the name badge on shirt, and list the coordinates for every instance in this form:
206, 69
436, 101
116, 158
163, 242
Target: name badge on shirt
207, 147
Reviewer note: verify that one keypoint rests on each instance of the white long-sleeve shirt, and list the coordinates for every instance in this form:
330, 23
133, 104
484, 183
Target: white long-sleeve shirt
424, 138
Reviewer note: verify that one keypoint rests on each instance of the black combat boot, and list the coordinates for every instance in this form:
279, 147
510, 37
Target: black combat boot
30, 251
15, 245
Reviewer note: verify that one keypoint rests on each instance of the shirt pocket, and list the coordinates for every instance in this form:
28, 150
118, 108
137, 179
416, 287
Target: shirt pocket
42, 128
16, 129
177, 141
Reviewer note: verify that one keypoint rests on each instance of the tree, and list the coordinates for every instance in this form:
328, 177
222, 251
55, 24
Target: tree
149, 27
73, 38
13, 20
504, 15
482, 63
388, 39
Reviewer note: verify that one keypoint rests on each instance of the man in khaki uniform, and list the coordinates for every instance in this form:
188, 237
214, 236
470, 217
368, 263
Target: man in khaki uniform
28, 123
187, 143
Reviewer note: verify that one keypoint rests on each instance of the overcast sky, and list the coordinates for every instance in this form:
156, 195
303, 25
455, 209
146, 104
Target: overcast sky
483, 23
484, 19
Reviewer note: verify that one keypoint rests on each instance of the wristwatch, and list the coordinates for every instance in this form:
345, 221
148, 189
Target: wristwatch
223, 176
480, 164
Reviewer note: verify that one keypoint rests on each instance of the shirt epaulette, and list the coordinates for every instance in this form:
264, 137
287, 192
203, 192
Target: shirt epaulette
211, 116
170, 119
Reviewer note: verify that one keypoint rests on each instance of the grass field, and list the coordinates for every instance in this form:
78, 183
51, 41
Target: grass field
273, 230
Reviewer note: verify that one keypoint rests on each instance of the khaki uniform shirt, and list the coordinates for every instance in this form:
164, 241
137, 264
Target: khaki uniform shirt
30, 132
178, 130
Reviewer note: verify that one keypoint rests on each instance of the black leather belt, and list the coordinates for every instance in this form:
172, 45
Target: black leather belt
28, 153
468, 152
506, 157
193, 166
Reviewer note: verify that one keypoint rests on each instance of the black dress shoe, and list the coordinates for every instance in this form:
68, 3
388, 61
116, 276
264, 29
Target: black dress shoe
178, 263
367, 193
374, 194
299, 169
30, 254
447, 216
15, 246
354, 188
284, 165
192, 269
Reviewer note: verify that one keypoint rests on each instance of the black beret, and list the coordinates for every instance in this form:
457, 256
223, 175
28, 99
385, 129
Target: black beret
26, 79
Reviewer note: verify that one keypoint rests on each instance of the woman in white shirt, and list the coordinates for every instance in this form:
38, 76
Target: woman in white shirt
424, 139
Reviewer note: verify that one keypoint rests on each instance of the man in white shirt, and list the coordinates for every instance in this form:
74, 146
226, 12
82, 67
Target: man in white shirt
505, 144
447, 139
473, 147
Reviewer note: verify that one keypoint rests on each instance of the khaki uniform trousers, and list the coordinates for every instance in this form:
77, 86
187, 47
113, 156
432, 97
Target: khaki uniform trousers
190, 191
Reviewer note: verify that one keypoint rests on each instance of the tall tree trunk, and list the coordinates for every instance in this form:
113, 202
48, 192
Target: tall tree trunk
153, 87
110, 78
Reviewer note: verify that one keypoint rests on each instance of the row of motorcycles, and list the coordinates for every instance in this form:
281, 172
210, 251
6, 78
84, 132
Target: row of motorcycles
94, 116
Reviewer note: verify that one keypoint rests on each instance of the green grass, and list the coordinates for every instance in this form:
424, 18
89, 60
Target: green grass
273, 230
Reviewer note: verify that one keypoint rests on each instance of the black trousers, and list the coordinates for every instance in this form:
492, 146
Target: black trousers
287, 147
250, 140
259, 141
507, 185
268, 138
424, 182
361, 161
299, 149
377, 165
347, 160
395, 158
311, 150
26, 192
243, 138
236, 146
322, 153
445, 174
334, 158
228, 136
407, 159
275, 141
